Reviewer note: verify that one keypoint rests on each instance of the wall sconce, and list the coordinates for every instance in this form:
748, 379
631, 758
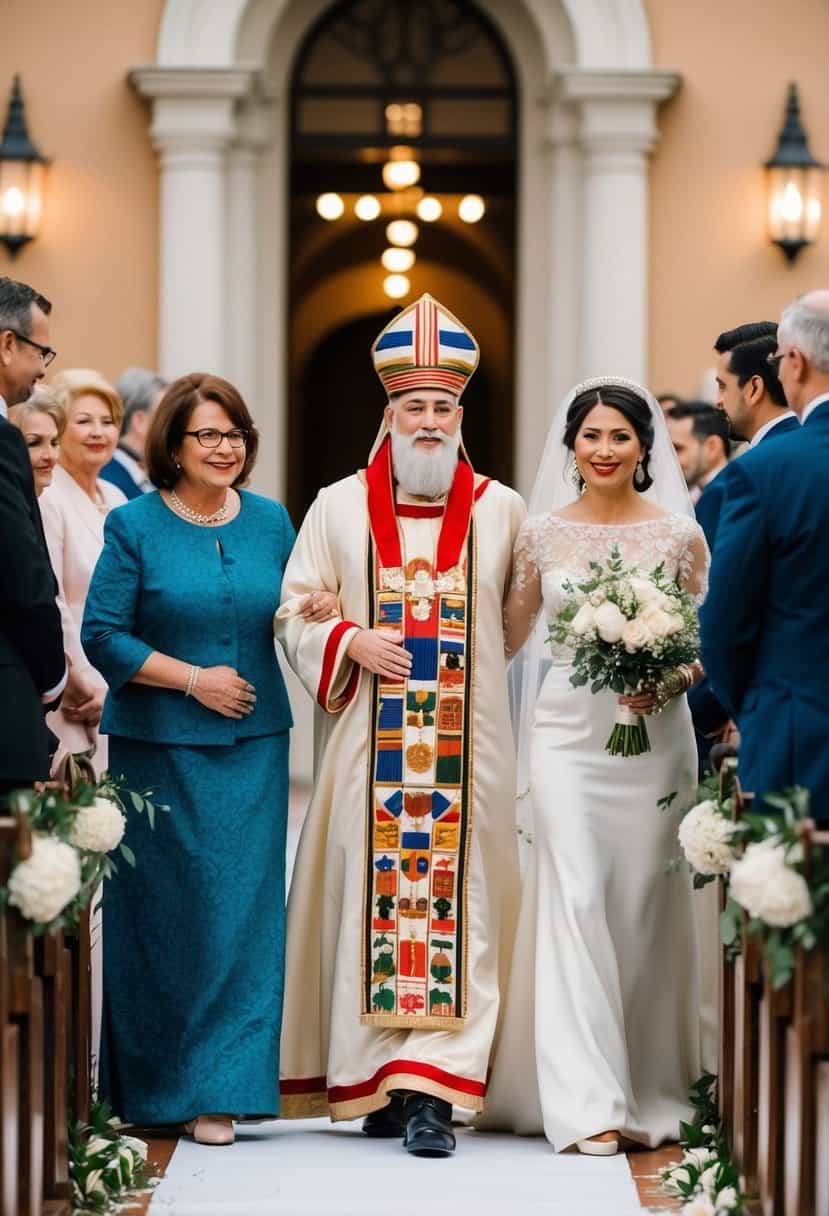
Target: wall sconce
794, 185
22, 172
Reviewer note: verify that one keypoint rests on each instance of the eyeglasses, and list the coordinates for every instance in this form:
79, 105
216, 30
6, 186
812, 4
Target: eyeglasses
775, 360
46, 352
209, 437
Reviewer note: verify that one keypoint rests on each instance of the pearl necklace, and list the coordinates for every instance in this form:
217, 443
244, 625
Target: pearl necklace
195, 517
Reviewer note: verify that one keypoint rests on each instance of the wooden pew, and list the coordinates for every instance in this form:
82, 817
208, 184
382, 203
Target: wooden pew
807, 1055
726, 1066
775, 1016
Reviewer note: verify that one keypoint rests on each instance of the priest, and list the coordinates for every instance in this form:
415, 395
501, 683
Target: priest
404, 895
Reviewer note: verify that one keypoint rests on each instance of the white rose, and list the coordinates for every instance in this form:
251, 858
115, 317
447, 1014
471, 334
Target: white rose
657, 620
699, 1157
597, 597
636, 635
675, 1178
98, 828
700, 1205
675, 623
583, 621
726, 1200
646, 592
138, 1146
708, 1178
705, 837
763, 884
43, 884
609, 621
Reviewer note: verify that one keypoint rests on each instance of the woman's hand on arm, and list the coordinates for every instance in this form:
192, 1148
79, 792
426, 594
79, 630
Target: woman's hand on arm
319, 606
220, 689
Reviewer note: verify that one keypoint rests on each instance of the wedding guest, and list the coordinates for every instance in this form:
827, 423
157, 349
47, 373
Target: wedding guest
765, 624
179, 620
40, 421
140, 391
74, 508
699, 433
667, 401
748, 387
32, 663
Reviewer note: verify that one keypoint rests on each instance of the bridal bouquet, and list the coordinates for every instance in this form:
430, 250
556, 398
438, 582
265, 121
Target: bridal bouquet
625, 629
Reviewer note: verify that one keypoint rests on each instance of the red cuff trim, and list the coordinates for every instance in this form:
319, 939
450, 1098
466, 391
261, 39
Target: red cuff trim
329, 660
345, 1093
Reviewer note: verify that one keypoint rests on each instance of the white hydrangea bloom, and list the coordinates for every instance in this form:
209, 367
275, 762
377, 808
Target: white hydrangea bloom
98, 828
726, 1200
767, 888
43, 884
700, 1205
705, 838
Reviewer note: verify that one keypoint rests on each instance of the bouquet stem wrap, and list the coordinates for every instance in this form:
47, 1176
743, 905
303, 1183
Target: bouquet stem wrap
629, 736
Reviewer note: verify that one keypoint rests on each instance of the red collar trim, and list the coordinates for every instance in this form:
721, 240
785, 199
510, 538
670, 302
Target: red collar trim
382, 512
414, 510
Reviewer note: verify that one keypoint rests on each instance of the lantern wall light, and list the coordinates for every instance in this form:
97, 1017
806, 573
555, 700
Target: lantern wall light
794, 181
22, 172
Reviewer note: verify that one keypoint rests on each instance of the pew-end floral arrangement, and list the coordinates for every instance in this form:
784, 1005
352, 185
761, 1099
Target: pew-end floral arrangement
628, 631
773, 886
107, 1167
706, 1179
74, 835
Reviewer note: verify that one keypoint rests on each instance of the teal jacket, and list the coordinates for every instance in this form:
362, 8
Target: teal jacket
203, 595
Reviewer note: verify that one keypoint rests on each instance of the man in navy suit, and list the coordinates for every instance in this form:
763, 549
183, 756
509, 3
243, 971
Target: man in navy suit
765, 623
140, 390
748, 387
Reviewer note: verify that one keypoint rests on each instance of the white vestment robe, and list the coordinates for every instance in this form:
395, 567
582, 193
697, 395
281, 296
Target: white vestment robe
340, 1053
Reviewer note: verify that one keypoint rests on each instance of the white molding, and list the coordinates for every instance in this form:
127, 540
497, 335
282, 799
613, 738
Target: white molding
588, 84
154, 81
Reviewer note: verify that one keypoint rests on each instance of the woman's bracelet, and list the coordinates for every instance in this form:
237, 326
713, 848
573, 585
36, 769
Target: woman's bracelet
673, 684
192, 680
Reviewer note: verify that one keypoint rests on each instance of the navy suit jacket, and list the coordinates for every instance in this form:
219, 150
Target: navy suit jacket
765, 623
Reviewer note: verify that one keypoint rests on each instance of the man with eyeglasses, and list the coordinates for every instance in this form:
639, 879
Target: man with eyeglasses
32, 663
765, 623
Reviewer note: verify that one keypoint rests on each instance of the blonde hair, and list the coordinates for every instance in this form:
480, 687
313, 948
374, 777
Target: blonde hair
42, 401
77, 381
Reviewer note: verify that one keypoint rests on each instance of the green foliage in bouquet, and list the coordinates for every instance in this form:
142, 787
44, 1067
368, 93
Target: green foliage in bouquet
105, 1166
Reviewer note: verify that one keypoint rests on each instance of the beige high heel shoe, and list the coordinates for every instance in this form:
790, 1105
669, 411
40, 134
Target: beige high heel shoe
606, 1144
211, 1129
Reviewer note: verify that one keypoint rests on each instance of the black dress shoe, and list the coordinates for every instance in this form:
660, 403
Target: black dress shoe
388, 1123
428, 1127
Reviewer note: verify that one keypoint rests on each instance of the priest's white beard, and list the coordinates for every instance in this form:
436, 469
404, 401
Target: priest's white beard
424, 474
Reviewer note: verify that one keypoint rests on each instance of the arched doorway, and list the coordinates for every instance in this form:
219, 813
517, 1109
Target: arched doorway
431, 82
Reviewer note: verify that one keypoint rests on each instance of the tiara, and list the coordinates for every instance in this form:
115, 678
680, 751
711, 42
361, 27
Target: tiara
610, 382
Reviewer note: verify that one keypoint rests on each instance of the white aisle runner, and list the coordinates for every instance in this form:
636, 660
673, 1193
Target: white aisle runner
314, 1168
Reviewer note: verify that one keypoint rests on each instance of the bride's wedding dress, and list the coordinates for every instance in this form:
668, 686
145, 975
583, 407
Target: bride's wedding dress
601, 1023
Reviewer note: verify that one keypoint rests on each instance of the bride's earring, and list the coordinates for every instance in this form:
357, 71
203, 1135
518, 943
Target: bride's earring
575, 475
639, 475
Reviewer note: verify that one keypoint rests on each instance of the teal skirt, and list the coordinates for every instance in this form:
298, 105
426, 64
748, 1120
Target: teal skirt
194, 936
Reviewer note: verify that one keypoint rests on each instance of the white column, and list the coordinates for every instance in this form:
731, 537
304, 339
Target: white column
244, 322
567, 224
192, 127
618, 132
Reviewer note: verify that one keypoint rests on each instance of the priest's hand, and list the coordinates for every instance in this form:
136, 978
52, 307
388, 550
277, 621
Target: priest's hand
381, 653
224, 691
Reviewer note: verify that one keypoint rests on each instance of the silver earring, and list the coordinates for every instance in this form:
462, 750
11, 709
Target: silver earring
575, 475
178, 467
639, 475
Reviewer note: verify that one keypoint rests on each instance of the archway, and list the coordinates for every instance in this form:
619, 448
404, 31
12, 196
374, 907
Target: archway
221, 121
431, 81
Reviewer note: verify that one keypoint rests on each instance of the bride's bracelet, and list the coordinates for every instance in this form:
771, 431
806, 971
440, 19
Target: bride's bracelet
673, 684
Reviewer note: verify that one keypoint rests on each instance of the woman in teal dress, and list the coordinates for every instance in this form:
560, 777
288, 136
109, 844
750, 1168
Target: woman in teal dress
179, 621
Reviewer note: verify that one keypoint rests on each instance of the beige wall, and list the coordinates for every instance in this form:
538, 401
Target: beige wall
711, 263
712, 266
96, 257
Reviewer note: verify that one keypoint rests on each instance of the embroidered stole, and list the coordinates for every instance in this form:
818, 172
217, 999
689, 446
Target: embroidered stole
420, 767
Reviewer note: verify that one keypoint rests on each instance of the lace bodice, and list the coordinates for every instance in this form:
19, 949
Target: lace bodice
551, 550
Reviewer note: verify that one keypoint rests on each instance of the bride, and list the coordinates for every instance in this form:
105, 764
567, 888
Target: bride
605, 973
